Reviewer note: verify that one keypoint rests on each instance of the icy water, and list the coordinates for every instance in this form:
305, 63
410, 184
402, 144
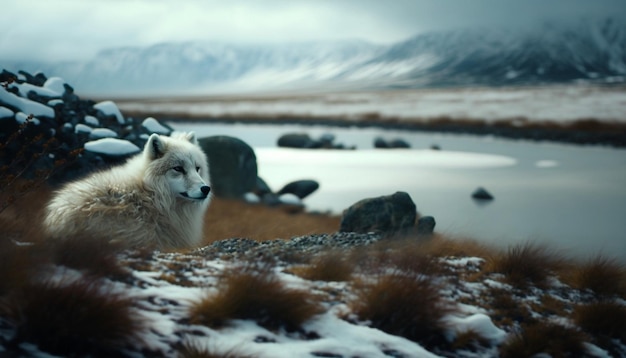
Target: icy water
570, 197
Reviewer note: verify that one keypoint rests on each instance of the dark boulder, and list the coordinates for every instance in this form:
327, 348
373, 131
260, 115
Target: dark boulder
426, 225
297, 140
387, 214
379, 142
300, 188
482, 194
261, 187
232, 164
399, 143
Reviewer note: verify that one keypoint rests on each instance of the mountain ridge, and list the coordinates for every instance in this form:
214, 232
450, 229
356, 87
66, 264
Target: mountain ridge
586, 51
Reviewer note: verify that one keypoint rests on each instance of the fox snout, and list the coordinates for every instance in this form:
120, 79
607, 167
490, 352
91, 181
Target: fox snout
205, 189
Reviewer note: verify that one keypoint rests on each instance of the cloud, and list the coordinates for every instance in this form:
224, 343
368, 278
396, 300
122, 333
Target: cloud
77, 29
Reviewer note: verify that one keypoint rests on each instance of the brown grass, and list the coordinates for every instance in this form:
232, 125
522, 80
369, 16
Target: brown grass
543, 337
72, 318
231, 218
601, 275
602, 319
190, 350
328, 266
525, 264
403, 305
255, 292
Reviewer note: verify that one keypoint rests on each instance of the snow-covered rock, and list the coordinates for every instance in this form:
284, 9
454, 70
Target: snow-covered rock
112, 147
153, 126
109, 108
98, 133
26, 105
6, 113
81, 128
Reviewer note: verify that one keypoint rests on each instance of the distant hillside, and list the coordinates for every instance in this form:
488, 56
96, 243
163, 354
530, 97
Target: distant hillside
588, 51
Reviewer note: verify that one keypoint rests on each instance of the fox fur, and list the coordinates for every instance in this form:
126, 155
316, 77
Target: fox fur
157, 199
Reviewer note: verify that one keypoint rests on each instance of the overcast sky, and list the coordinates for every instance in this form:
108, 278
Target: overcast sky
77, 29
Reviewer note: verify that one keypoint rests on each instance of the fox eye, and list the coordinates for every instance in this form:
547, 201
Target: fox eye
179, 169
198, 169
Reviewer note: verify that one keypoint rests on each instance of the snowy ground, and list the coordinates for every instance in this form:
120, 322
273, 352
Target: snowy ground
553, 103
166, 285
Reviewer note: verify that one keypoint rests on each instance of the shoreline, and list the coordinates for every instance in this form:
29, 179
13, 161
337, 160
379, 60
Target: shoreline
581, 132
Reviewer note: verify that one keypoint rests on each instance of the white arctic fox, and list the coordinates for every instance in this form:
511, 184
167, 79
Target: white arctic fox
157, 199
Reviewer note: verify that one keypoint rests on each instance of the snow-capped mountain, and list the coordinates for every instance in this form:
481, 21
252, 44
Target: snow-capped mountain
550, 53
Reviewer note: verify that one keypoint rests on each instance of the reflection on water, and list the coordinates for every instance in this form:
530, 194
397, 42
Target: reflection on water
572, 197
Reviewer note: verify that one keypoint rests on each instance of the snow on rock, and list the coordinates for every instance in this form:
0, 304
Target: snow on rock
54, 102
479, 323
92, 121
290, 199
81, 128
251, 198
55, 84
112, 147
25, 88
6, 113
109, 108
102, 133
153, 126
22, 117
26, 105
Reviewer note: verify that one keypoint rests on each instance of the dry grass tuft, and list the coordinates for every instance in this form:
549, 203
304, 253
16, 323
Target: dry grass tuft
602, 319
601, 275
255, 292
526, 263
232, 218
91, 255
72, 318
404, 305
191, 350
328, 266
547, 338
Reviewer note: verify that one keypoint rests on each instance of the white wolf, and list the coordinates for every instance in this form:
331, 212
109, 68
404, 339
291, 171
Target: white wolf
157, 199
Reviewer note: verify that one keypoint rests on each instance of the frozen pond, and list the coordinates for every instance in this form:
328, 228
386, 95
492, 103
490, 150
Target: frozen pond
571, 197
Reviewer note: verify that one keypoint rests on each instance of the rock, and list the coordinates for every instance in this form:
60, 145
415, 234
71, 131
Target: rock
426, 225
151, 125
232, 165
300, 188
296, 140
261, 187
326, 140
399, 143
389, 214
482, 194
379, 142
435, 147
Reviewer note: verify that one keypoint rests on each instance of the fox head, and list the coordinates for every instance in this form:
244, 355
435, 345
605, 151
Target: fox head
177, 166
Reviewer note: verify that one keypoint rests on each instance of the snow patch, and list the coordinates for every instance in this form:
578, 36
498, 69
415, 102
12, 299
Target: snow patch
102, 133
153, 126
109, 108
26, 105
112, 146
92, 121
6, 113
81, 128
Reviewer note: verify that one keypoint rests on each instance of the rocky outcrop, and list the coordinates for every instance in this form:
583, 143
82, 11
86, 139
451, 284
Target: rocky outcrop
232, 164
482, 194
57, 135
392, 214
304, 141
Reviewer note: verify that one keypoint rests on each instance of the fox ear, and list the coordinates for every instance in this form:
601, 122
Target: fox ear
155, 148
191, 137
